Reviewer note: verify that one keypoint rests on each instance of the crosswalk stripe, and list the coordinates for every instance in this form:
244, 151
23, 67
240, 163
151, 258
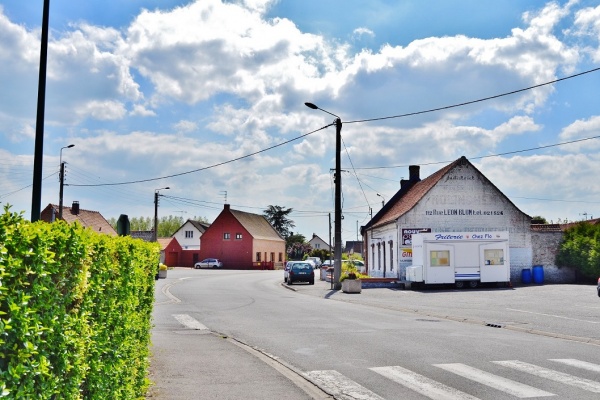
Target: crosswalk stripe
421, 384
497, 382
579, 364
582, 383
189, 322
340, 386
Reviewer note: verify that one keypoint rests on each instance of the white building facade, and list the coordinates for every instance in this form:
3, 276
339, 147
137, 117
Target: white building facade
457, 198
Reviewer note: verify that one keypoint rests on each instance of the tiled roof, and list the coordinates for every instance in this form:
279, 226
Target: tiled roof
201, 226
594, 221
256, 225
546, 228
87, 218
164, 242
404, 200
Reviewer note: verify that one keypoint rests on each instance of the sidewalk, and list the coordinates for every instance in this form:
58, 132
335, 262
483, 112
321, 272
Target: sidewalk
198, 364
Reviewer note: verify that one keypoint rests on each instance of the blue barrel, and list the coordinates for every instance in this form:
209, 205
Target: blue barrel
538, 274
526, 276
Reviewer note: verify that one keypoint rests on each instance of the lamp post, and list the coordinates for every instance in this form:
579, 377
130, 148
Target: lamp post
337, 263
155, 235
382, 199
61, 178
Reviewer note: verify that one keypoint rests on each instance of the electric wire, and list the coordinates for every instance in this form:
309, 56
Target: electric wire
466, 103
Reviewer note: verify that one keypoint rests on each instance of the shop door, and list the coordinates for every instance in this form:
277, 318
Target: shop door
493, 262
440, 264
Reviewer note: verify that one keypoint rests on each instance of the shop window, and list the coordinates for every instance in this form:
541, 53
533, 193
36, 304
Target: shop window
493, 256
439, 258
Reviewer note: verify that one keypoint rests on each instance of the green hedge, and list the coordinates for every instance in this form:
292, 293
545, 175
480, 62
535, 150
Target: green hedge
75, 311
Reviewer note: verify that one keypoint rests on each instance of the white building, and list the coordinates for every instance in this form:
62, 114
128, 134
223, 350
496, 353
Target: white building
457, 198
318, 244
188, 235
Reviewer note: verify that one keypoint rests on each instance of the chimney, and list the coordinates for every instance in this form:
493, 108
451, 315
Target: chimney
75, 208
226, 207
413, 171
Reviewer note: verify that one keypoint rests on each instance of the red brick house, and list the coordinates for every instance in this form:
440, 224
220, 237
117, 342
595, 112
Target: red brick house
243, 240
170, 251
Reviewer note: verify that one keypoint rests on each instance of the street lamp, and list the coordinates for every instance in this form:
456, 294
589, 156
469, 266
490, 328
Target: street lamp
61, 178
155, 234
382, 199
337, 263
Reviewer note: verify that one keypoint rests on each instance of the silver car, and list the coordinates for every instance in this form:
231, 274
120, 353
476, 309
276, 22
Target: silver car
209, 263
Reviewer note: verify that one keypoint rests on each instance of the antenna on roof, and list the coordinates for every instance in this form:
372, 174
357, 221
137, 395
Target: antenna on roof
224, 193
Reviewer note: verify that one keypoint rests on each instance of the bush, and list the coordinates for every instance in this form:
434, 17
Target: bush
75, 311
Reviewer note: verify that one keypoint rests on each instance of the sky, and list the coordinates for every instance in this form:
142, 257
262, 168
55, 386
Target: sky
207, 98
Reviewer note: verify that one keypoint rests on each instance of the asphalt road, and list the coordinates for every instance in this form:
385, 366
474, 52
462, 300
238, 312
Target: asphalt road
522, 342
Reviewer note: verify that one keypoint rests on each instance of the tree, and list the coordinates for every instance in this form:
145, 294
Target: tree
538, 219
580, 248
277, 216
167, 225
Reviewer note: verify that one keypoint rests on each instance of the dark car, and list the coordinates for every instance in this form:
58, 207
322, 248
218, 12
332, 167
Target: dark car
598, 287
301, 272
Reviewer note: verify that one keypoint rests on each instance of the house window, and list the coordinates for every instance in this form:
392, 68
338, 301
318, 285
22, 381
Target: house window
258, 256
379, 256
373, 254
226, 236
317, 245
391, 242
384, 259
189, 234
280, 257
238, 236
272, 257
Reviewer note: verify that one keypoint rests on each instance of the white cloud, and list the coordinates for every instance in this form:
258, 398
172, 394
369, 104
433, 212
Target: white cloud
358, 33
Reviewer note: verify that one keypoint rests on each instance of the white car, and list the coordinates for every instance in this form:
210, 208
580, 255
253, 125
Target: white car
209, 263
316, 261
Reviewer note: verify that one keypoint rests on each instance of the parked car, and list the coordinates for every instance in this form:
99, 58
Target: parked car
209, 263
301, 272
315, 260
286, 270
598, 287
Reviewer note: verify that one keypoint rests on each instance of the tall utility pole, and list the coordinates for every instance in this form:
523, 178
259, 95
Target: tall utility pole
337, 263
36, 193
61, 178
60, 192
155, 234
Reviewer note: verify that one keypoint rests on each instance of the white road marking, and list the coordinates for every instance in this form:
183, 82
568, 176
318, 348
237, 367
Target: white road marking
421, 384
552, 315
340, 386
579, 364
189, 322
497, 382
581, 383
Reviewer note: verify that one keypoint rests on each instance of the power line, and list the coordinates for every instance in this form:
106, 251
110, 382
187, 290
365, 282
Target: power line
210, 166
348, 122
474, 101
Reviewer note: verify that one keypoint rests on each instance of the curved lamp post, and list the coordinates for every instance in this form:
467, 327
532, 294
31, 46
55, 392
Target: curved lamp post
337, 263
61, 178
155, 235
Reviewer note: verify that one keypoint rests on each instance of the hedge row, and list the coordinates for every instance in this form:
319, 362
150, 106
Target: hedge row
75, 311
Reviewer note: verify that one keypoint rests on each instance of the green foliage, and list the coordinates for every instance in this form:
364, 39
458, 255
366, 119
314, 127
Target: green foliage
167, 225
350, 271
75, 311
277, 216
538, 219
580, 248
321, 253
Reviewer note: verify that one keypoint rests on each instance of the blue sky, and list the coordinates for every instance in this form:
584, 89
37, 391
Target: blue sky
148, 89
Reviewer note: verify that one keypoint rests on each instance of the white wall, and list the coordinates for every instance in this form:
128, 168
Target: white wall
192, 243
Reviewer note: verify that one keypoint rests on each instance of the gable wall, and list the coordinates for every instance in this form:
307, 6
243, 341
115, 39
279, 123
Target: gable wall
235, 253
188, 243
462, 201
